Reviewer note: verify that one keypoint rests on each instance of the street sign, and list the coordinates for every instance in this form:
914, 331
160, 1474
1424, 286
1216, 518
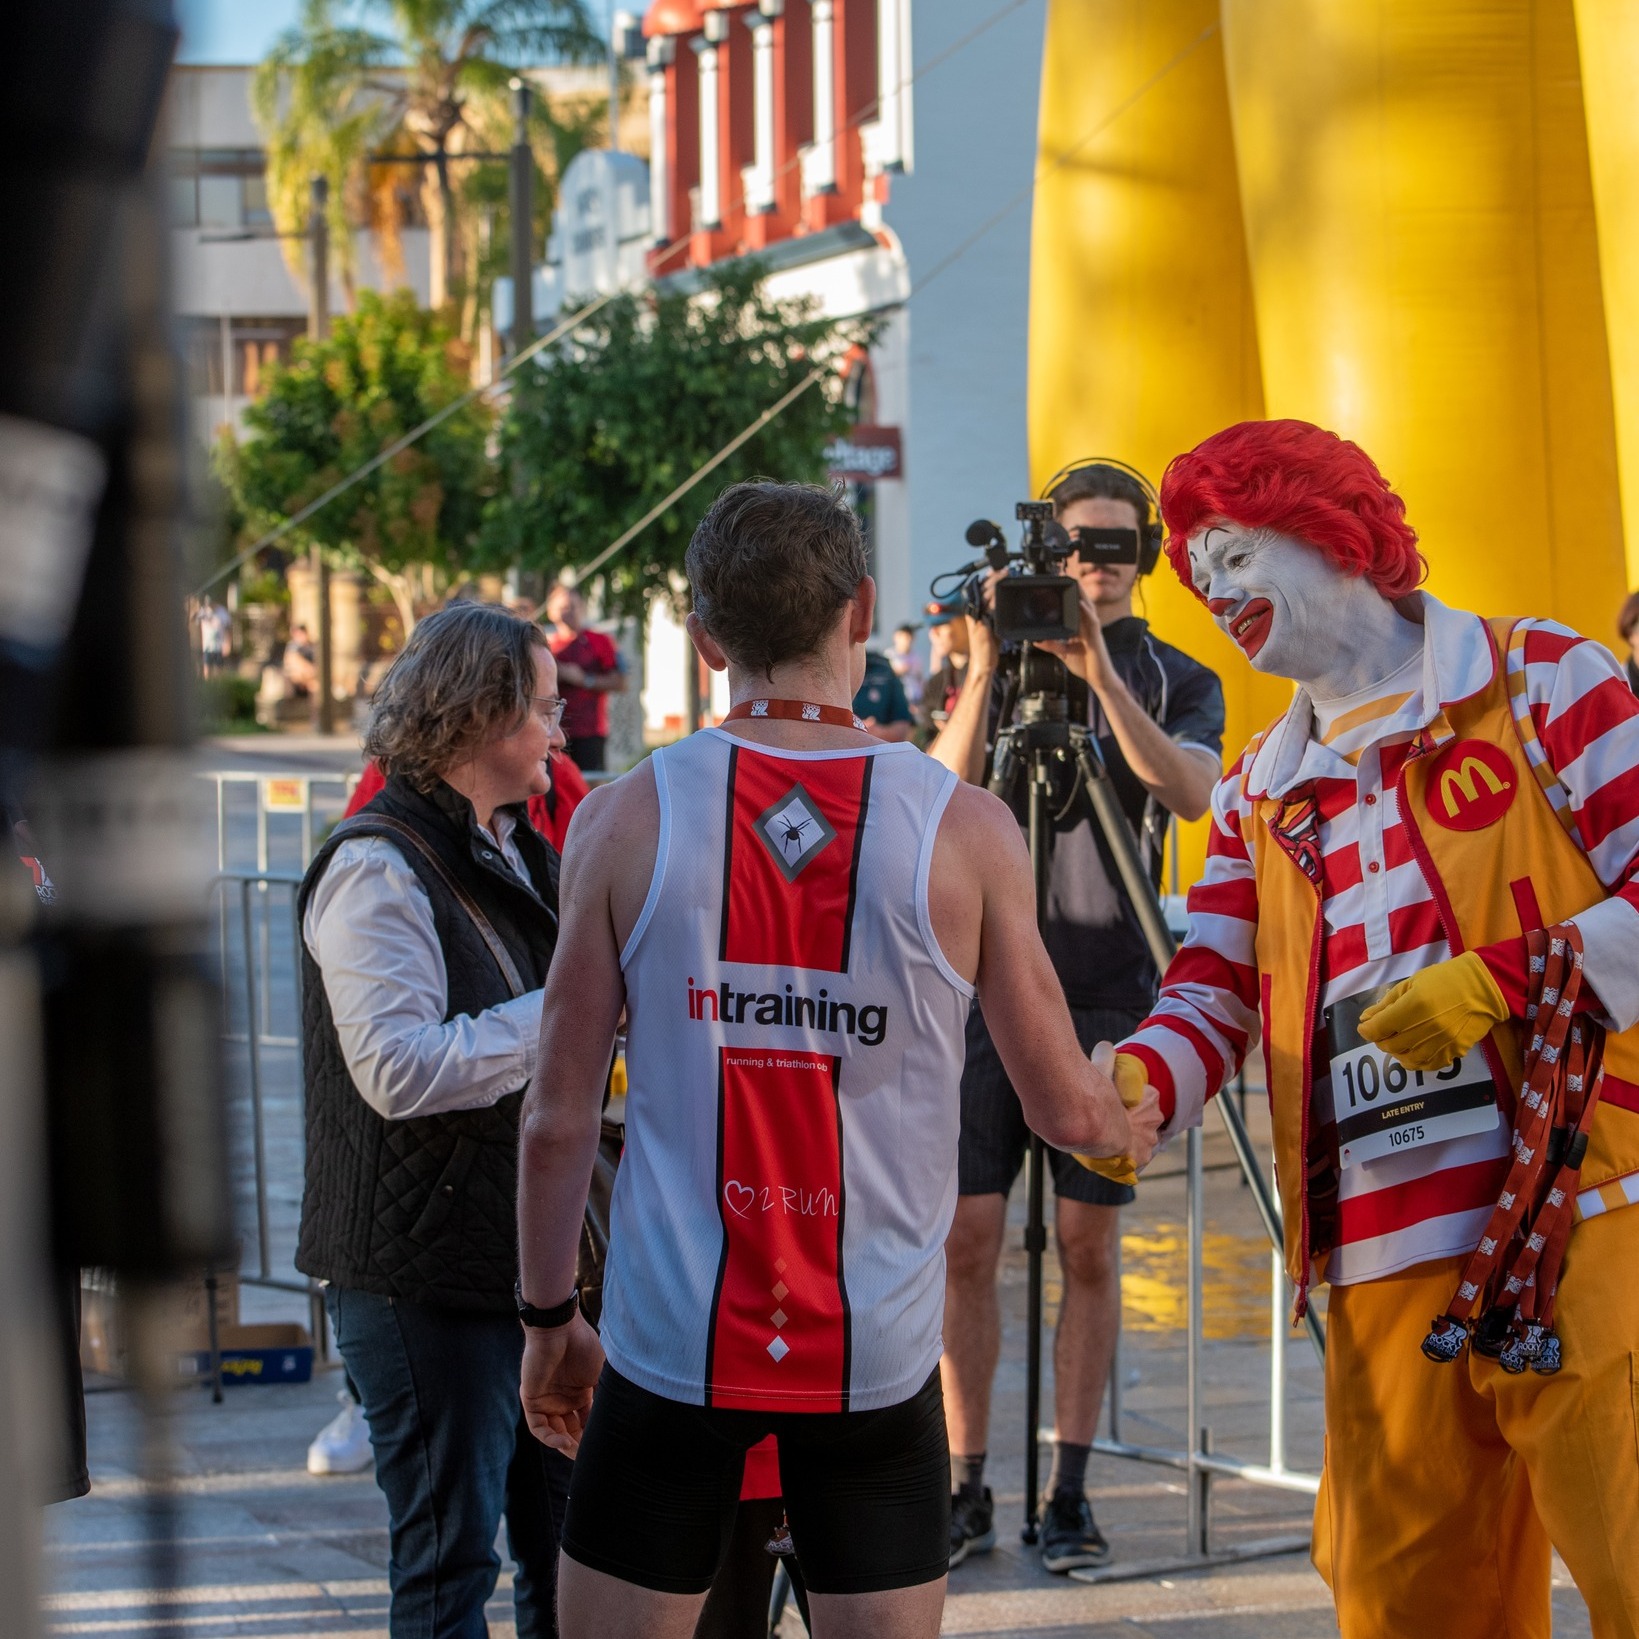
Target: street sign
865, 454
285, 794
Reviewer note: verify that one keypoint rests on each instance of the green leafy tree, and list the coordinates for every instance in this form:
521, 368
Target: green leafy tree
381, 371
642, 394
431, 83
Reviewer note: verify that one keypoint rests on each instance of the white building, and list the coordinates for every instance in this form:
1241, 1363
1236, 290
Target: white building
239, 305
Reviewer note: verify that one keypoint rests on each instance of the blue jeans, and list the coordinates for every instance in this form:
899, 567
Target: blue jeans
439, 1389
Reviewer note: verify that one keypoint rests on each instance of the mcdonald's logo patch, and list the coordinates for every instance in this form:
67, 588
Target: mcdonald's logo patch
1470, 785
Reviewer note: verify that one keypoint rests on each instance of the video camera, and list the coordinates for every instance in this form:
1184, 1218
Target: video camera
1037, 602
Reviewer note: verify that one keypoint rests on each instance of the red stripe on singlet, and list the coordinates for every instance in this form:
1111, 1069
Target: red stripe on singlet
804, 922
779, 1334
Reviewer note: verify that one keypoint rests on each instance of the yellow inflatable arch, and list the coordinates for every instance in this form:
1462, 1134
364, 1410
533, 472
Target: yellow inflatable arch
1413, 221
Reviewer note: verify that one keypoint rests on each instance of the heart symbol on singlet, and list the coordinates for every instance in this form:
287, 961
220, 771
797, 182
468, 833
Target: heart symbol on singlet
739, 1196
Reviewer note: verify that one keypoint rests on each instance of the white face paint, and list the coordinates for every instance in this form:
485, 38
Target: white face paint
1286, 604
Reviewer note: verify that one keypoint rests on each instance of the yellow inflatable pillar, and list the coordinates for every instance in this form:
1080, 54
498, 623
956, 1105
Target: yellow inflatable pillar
1141, 333
1419, 222
1608, 37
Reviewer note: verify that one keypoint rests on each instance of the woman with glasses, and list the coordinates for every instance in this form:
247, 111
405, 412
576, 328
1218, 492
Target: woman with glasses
428, 922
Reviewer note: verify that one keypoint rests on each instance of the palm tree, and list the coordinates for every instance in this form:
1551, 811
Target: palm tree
331, 93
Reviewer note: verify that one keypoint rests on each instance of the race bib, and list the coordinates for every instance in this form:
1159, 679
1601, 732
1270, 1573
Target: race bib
1382, 1108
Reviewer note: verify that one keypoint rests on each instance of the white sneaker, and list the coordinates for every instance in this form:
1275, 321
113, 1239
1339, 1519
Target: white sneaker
342, 1446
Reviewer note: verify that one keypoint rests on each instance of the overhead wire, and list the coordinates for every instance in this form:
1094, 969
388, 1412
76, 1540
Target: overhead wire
941, 266
522, 357
791, 395
402, 443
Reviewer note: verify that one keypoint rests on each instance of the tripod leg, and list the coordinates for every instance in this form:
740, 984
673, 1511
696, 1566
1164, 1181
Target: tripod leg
1035, 1244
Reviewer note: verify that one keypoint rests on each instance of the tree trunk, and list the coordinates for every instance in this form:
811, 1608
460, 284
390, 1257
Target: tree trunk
443, 230
403, 594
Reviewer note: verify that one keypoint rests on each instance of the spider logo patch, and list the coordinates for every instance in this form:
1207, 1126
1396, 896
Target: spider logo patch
794, 831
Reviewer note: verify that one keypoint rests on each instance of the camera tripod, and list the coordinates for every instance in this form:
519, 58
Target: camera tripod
1042, 738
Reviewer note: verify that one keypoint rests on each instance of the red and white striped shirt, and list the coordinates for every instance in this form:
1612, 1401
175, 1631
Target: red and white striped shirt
1580, 724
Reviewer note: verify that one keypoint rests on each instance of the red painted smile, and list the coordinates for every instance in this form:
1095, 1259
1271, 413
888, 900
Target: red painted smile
1250, 628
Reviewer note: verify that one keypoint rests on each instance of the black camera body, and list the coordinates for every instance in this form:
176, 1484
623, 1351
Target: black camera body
1037, 602
1107, 546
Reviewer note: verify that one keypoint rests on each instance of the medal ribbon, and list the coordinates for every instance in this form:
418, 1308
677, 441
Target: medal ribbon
796, 711
1515, 1268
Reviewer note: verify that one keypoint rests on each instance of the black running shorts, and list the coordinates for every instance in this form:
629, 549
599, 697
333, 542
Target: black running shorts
994, 1134
656, 1484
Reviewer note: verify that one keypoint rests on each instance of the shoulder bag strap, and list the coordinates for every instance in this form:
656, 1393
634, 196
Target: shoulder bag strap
383, 824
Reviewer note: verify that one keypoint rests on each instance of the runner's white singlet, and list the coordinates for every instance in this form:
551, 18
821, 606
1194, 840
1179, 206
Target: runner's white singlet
794, 1054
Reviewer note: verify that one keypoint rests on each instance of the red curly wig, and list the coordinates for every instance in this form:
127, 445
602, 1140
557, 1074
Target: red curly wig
1305, 482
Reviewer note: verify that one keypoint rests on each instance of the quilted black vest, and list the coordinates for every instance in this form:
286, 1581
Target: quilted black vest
424, 1208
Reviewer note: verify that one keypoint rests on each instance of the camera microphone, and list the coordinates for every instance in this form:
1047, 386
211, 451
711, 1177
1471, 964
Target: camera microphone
982, 532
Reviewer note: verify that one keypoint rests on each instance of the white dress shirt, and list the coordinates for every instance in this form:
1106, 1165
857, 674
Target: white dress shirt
369, 926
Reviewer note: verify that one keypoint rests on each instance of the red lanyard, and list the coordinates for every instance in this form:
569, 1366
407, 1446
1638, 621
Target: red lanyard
1512, 1275
796, 711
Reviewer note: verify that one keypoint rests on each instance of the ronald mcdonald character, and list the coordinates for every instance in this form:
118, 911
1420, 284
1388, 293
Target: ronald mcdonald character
1422, 890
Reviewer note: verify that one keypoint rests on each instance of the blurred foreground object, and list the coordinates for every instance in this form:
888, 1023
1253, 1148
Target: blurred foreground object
106, 1006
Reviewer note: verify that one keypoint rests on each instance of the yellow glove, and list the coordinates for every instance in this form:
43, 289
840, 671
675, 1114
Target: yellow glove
1430, 1020
1127, 1072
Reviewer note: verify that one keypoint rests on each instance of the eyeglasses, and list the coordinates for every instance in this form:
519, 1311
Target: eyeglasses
549, 708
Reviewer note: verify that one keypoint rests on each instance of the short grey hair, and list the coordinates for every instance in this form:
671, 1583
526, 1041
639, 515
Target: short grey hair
466, 677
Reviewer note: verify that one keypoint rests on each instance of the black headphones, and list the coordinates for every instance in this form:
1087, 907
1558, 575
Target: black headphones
1149, 526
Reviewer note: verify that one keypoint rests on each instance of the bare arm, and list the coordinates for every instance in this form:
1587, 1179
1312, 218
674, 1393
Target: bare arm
960, 744
1180, 778
985, 918
558, 1138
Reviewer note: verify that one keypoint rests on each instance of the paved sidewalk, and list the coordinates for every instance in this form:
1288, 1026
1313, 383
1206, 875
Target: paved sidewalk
263, 1549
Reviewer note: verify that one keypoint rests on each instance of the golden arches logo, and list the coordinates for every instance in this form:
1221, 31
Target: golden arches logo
1471, 785
1465, 778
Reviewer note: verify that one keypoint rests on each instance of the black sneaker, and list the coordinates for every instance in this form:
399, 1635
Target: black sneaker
1069, 1537
972, 1524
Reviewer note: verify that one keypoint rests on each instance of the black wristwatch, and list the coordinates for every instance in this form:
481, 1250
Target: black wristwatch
560, 1314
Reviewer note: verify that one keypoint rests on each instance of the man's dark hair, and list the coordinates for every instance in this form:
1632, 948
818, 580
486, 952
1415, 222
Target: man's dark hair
1629, 617
770, 565
1099, 483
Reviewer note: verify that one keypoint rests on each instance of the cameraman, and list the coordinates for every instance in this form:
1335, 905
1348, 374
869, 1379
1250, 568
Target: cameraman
1159, 719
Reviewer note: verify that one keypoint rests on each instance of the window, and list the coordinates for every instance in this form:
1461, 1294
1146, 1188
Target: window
224, 189
241, 355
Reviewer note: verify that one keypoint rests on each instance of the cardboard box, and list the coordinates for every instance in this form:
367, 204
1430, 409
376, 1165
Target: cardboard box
255, 1354
102, 1346
193, 1311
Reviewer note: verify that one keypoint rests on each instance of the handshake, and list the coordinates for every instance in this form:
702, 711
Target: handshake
1144, 1117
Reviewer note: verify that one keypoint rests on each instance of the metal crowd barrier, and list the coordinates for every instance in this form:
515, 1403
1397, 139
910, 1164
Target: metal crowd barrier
255, 892
1200, 1463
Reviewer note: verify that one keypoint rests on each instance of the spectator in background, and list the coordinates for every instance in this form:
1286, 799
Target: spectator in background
1627, 623
880, 703
947, 642
215, 637
907, 663
589, 670
427, 926
300, 665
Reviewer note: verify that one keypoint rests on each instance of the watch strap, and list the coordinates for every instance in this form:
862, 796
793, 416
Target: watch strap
560, 1314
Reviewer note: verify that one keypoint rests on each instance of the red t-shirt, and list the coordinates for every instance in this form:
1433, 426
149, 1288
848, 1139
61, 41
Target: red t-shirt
585, 711
549, 814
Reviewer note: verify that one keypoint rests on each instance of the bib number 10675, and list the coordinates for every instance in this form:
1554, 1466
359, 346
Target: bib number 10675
1382, 1108
1371, 1073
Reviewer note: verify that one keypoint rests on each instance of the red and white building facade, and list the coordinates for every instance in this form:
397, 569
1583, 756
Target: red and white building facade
855, 147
